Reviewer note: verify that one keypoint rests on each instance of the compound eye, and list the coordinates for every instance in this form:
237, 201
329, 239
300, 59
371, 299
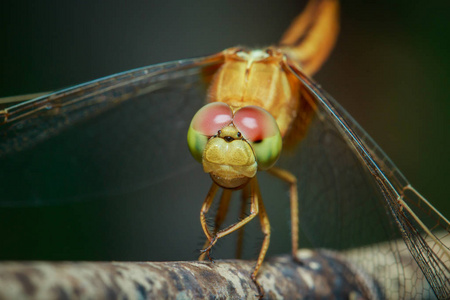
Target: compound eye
261, 130
211, 118
206, 123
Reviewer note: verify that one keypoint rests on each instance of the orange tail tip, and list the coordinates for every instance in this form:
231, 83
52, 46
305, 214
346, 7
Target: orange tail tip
312, 35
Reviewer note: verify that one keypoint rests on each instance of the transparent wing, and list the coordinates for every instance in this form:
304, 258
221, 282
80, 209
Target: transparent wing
105, 137
352, 195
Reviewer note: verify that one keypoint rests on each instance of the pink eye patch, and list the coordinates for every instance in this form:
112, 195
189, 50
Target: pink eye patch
255, 123
212, 117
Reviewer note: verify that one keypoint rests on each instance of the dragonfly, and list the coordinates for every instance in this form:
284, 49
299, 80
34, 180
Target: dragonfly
339, 169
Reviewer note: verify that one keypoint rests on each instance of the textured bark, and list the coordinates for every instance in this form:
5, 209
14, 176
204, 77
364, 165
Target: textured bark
322, 275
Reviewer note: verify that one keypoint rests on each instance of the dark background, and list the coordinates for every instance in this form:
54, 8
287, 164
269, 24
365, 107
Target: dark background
390, 68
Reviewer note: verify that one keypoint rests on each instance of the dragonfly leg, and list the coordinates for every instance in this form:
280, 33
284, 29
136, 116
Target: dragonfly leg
254, 209
265, 227
205, 208
240, 237
292, 181
220, 216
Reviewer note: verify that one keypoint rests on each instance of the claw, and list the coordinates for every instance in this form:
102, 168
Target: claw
209, 256
208, 252
258, 286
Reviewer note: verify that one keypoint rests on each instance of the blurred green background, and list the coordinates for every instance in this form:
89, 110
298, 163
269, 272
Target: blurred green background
390, 70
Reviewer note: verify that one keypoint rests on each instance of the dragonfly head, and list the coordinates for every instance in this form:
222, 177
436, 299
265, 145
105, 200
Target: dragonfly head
233, 145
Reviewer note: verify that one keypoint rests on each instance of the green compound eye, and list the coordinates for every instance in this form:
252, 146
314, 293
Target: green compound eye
206, 123
261, 130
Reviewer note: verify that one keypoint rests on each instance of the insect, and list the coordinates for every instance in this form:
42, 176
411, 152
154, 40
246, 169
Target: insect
331, 137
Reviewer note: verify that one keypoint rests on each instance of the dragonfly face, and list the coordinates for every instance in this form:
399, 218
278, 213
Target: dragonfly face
229, 159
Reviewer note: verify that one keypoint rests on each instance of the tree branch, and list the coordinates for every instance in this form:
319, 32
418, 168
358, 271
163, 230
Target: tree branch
323, 274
